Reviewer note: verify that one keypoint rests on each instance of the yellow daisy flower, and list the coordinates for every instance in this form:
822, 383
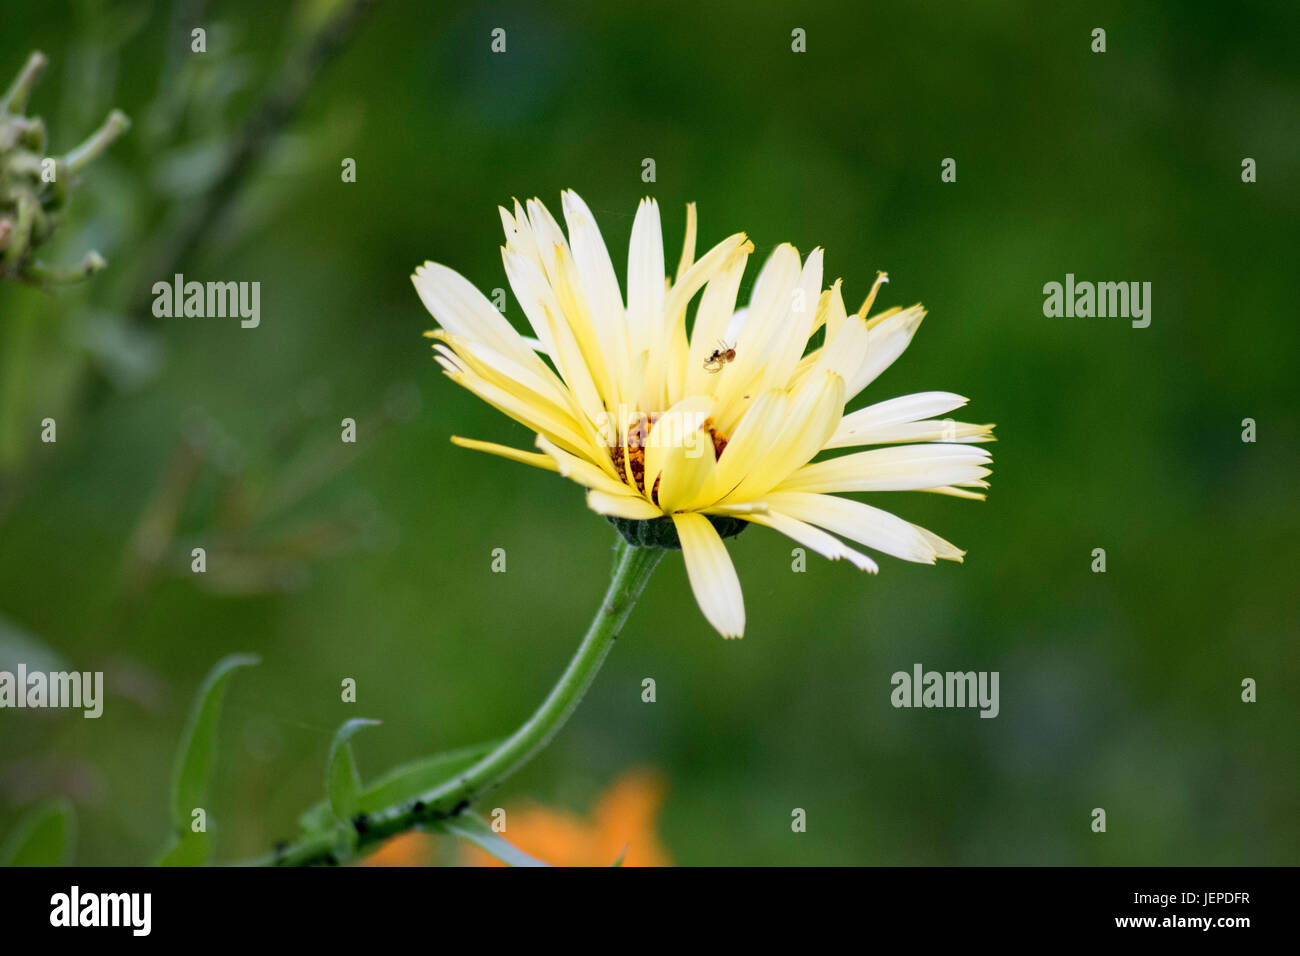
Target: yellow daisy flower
682, 438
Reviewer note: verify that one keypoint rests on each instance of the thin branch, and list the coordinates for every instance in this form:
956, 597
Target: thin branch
258, 135
15, 98
95, 144
43, 274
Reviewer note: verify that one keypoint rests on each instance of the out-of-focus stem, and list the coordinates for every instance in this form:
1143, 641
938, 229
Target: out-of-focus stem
44, 274
15, 98
98, 141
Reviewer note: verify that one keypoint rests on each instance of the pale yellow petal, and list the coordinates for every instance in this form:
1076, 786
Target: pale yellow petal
622, 506
536, 459
579, 469
813, 414
768, 303
835, 311
956, 492
794, 324
712, 575
896, 411
645, 277
827, 545
715, 311
521, 236
688, 243
600, 356
599, 283
460, 308
750, 443
536, 380
846, 353
930, 430
864, 524
532, 415
679, 453
533, 290
890, 334
901, 468
669, 350
547, 234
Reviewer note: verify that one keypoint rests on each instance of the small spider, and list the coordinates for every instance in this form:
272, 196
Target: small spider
719, 357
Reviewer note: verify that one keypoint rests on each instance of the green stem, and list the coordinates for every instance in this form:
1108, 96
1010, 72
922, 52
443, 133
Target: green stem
631, 572
15, 98
82, 156
47, 275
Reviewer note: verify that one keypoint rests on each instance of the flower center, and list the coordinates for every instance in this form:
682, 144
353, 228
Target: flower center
630, 462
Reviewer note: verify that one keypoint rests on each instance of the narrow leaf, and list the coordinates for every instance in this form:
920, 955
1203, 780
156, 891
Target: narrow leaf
476, 830
188, 849
401, 784
407, 781
342, 782
44, 837
194, 760
317, 817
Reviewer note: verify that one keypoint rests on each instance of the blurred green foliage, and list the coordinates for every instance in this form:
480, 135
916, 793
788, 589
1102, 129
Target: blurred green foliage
1118, 690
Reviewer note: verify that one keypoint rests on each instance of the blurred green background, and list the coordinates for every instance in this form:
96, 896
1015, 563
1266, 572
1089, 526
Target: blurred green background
1118, 690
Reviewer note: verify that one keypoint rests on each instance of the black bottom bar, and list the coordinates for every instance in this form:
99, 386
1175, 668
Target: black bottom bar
332, 906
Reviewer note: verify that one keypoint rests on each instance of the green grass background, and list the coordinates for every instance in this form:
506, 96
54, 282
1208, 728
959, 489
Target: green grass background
1118, 690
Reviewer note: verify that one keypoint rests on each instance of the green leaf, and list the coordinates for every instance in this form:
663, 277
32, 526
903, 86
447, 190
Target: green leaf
44, 837
475, 829
342, 782
194, 760
407, 781
190, 849
317, 817
402, 784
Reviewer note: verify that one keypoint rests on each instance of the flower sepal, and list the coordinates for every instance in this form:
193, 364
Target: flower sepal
662, 533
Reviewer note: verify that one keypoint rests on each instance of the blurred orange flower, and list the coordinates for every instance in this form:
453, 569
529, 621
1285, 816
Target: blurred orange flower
406, 849
623, 819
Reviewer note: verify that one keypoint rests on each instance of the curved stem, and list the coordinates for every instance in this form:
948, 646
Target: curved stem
98, 141
631, 572
15, 98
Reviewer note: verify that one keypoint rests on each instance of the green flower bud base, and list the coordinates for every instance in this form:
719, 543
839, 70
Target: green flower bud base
662, 533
